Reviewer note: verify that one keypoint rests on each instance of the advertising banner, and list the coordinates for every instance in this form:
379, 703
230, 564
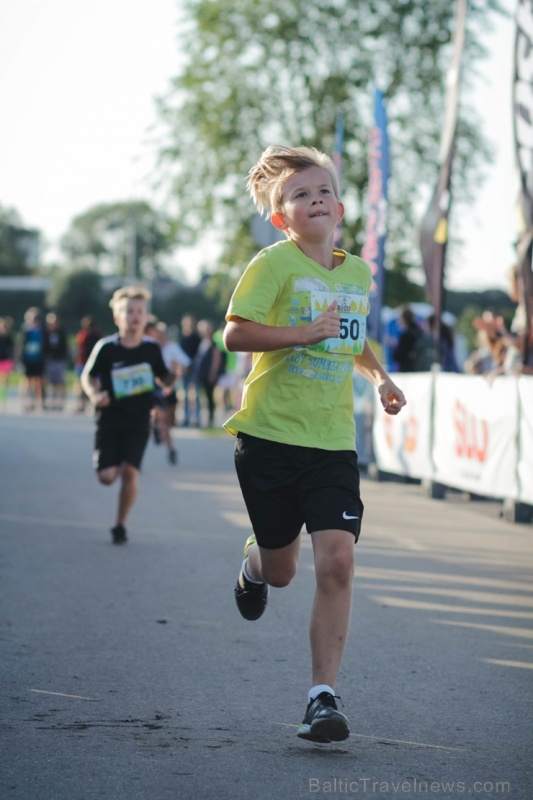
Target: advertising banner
402, 444
475, 434
525, 442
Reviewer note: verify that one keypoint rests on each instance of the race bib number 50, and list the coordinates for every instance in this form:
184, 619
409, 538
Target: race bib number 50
130, 381
353, 310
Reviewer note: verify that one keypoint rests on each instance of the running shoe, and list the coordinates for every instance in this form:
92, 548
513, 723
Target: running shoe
118, 534
323, 722
173, 456
251, 598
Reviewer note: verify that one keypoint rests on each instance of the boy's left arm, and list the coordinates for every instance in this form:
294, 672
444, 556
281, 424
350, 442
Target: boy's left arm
392, 398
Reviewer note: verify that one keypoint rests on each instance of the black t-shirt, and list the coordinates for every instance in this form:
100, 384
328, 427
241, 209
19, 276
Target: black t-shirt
190, 343
127, 374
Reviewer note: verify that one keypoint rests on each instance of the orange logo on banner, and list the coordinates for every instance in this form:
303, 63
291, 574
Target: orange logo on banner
389, 438
472, 434
411, 432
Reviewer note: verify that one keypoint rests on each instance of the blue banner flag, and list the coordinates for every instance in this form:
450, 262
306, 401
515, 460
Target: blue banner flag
376, 227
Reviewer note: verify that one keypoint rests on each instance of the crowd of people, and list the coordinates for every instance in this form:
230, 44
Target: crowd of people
42, 363
500, 349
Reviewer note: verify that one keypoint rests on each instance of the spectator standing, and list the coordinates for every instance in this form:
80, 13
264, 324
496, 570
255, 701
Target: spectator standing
189, 341
7, 354
55, 350
448, 361
209, 366
32, 357
86, 339
415, 351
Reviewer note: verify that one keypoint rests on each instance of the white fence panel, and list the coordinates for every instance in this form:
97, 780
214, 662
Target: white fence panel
525, 461
402, 443
475, 434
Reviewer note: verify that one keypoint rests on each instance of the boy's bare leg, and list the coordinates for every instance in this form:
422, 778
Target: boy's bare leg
275, 567
332, 605
128, 491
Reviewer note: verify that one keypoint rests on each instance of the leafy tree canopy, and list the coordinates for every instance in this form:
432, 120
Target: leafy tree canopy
78, 293
128, 238
257, 72
19, 246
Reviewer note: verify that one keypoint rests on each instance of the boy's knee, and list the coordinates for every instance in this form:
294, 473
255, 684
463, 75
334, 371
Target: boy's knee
280, 577
338, 567
129, 472
107, 476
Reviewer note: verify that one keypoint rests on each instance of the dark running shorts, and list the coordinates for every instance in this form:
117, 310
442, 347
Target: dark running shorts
34, 369
120, 440
165, 401
287, 486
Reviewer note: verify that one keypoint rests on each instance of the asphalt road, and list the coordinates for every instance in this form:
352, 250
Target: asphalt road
126, 673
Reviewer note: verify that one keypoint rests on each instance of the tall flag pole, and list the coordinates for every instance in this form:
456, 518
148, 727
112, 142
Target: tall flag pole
434, 225
373, 251
523, 136
337, 160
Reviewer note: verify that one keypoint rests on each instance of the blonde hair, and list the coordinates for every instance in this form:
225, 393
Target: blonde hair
276, 165
129, 293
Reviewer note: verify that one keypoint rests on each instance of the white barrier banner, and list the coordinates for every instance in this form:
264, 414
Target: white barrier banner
475, 434
402, 443
525, 463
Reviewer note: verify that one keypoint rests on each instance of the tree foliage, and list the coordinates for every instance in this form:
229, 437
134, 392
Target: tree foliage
19, 246
77, 293
257, 72
127, 238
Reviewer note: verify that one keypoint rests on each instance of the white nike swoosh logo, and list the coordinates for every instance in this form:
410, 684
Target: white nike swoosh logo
347, 516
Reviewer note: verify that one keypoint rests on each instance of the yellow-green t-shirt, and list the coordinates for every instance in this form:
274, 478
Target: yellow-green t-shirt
302, 395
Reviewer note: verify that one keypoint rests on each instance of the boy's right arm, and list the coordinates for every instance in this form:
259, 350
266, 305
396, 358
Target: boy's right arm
245, 336
91, 386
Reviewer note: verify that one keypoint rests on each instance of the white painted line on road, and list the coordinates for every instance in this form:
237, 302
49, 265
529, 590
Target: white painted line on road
387, 741
61, 694
435, 577
401, 602
494, 598
521, 633
208, 488
68, 523
503, 663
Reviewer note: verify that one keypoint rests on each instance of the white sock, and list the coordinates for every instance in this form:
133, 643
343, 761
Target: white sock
246, 575
318, 689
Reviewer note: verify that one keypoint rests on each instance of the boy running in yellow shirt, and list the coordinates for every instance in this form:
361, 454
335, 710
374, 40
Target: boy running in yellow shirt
301, 308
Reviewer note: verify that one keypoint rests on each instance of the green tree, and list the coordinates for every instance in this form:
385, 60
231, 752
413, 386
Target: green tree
129, 238
257, 72
19, 246
77, 293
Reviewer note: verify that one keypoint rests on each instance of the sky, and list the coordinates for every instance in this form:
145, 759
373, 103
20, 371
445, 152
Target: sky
77, 87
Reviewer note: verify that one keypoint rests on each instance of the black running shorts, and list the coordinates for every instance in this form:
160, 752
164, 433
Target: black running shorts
287, 486
120, 440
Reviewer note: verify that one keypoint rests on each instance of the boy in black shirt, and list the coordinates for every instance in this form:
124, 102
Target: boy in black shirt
119, 380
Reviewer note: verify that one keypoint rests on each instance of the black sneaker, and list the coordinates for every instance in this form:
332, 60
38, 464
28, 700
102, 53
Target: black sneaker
173, 456
118, 534
323, 722
251, 598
